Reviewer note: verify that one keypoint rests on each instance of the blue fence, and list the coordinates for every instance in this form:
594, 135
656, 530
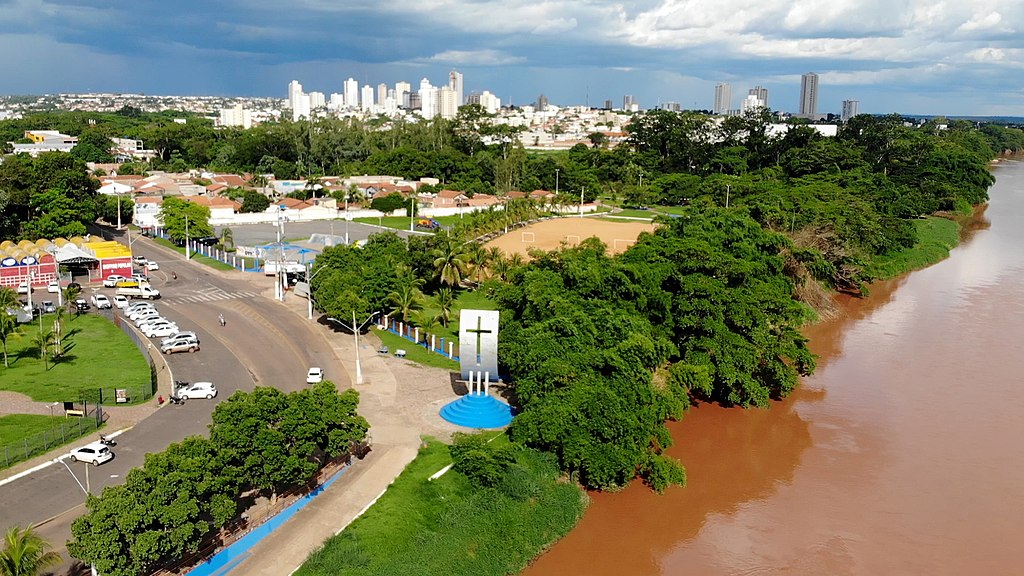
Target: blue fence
409, 333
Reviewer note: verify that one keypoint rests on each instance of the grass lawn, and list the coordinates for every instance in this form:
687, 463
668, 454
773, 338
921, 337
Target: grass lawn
448, 526
418, 354
22, 436
935, 238
196, 257
98, 355
473, 300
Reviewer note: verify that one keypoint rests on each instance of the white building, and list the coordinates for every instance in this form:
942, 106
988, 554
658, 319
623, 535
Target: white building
301, 108
351, 93
44, 141
455, 83
402, 91
448, 103
367, 98
294, 93
236, 117
851, 108
317, 100
382, 93
809, 95
486, 100
428, 99
752, 102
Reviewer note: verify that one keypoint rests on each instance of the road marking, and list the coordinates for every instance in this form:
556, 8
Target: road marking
213, 295
52, 462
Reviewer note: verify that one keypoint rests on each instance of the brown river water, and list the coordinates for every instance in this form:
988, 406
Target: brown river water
903, 454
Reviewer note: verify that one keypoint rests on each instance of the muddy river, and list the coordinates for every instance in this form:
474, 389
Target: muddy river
903, 454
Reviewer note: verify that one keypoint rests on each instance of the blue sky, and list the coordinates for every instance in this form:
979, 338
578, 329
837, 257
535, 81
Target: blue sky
909, 56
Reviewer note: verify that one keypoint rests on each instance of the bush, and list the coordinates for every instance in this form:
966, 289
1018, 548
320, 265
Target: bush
389, 203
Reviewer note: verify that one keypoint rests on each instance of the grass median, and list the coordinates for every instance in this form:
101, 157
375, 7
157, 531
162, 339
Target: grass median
23, 436
197, 257
448, 526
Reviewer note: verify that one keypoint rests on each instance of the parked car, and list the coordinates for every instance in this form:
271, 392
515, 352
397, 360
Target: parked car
315, 375
49, 307
139, 259
81, 305
140, 278
198, 390
120, 301
156, 322
146, 318
160, 330
152, 265
181, 335
112, 280
53, 287
101, 302
207, 240
74, 285
94, 453
137, 306
136, 312
24, 288
180, 346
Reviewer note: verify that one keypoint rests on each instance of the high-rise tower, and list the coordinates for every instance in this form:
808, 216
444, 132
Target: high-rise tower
455, 83
351, 93
809, 95
723, 98
850, 109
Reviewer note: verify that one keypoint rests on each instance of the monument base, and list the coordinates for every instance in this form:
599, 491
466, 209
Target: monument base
478, 410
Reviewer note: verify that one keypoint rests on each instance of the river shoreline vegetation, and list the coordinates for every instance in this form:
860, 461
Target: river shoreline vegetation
599, 351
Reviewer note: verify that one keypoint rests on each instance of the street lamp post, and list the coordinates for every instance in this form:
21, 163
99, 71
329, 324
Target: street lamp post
118, 208
556, 181
355, 333
582, 190
188, 254
412, 211
347, 218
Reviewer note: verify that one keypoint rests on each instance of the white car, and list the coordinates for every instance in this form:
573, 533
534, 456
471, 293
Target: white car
198, 390
186, 335
183, 345
136, 313
112, 280
120, 302
315, 375
100, 301
146, 318
151, 265
159, 330
53, 287
139, 259
156, 322
23, 288
95, 453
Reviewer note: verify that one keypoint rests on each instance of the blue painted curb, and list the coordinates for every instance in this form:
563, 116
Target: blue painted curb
227, 559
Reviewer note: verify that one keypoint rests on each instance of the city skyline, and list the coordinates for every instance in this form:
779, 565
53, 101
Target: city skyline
907, 58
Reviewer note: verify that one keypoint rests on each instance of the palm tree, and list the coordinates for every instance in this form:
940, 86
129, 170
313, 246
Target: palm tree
406, 300
426, 321
43, 341
227, 238
501, 267
449, 262
479, 256
26, 554
8, 298
8, 327
445, 299
58, 325
70, 293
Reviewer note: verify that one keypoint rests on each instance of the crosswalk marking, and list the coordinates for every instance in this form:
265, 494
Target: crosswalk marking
209, 296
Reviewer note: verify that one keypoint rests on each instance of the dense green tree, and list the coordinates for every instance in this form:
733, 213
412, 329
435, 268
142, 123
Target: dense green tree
253, 201
183, 219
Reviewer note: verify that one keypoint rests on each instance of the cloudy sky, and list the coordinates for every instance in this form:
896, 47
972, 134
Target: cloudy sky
909, 56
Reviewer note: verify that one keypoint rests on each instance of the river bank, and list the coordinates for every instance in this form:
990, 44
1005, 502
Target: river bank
898, 456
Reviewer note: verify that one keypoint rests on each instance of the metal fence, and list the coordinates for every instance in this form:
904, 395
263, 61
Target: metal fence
128, 394
66, 431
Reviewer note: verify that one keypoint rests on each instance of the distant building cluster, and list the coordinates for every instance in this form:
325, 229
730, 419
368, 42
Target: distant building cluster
428, 101
757, 97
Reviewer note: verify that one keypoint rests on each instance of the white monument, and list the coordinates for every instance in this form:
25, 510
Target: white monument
478, 342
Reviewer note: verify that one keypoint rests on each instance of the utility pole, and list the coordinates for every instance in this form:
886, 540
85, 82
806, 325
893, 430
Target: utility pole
728, 189
118, 209
412, 211
355, 333
188, 255
556, 181
347, 218
582, 190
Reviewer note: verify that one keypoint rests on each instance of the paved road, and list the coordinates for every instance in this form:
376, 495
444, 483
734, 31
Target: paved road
259, 234
262, 344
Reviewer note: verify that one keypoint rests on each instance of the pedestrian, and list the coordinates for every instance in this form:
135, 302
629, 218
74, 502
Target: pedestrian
222, 321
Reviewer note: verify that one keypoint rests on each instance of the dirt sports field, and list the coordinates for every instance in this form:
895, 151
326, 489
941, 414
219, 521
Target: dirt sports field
549, 234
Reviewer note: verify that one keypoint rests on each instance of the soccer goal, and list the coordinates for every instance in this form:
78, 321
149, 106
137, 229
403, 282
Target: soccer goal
528, 237
572, 239
622, 244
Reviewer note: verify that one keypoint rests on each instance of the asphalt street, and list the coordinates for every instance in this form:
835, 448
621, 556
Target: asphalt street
261, 234
262, 344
